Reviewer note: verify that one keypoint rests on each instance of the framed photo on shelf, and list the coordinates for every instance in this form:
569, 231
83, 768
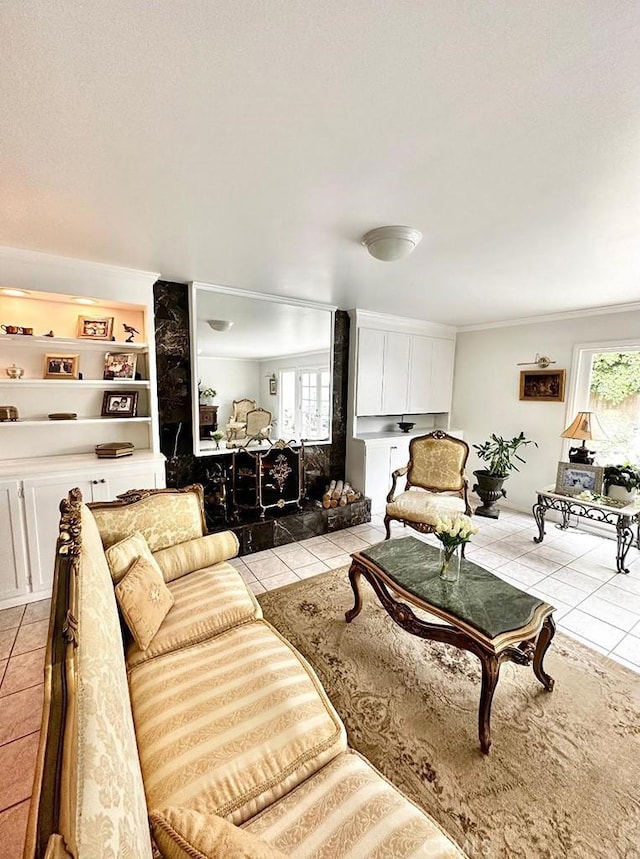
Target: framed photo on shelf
119, 404
61, 366
544, 386
574, 478
119, 365
91, 328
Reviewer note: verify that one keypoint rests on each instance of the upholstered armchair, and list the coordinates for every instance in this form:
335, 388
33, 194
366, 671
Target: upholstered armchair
237, 424
435, 483
258, 425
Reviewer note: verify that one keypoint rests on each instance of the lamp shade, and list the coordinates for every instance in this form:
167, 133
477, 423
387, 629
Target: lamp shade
585, 426
391, 243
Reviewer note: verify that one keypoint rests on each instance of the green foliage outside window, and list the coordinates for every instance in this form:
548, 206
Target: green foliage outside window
616, 375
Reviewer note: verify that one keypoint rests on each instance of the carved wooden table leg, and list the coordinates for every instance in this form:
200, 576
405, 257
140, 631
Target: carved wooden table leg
542, 645
354, 578
490, 673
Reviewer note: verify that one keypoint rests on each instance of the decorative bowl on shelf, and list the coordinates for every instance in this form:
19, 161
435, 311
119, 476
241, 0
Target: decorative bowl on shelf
405, 426
14, 372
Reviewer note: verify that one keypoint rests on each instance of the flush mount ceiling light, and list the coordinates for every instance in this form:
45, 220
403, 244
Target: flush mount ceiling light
78, 299
15, 293
219, 324
391, 243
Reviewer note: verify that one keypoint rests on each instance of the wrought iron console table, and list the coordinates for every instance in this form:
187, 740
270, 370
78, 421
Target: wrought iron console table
624, 518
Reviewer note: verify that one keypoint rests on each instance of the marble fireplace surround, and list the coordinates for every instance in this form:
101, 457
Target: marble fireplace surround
321, 463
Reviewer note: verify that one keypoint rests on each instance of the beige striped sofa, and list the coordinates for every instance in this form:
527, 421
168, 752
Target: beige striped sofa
217, 740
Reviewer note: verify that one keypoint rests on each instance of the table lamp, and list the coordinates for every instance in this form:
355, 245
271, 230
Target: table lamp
587, 427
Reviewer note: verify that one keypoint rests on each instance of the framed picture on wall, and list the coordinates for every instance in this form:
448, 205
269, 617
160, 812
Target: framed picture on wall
574, 477
542, 385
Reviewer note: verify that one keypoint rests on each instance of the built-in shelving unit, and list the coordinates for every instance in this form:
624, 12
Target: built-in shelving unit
42, 459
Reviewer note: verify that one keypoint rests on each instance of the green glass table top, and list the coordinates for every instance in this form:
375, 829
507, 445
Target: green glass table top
478, 598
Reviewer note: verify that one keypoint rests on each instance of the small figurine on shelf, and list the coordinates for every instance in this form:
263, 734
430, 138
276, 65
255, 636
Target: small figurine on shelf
49, 334
130, 330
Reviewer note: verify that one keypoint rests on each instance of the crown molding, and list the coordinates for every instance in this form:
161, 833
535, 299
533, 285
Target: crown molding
260, 296
29, 257
604, 310
401, 324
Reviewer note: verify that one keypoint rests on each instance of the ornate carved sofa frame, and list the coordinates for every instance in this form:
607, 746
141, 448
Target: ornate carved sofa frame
217, 740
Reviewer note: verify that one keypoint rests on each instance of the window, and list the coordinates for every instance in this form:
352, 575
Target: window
304, 403
608, 383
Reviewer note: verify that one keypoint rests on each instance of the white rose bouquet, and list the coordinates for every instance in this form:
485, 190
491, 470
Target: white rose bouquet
453, 531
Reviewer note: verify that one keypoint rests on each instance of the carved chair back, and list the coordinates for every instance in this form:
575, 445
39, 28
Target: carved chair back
257, 421
241, 408
437, 462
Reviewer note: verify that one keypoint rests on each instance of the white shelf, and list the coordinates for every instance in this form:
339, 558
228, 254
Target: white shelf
42, 421
73, 462
111, 384
81, 343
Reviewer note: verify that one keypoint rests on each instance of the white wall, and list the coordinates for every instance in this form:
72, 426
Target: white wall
233, 379
486, 390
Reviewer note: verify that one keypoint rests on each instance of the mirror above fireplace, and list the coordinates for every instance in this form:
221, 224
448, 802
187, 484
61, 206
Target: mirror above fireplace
269, 361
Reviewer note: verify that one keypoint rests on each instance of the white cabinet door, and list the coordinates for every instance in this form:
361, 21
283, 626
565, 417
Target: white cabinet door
124, 479
42, 496
370, 371
441, 375
395, 374
13, 558
377, 476
420, 375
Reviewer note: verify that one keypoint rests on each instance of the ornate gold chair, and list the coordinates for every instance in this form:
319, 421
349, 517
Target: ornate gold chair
257, 427
435, 484
237, 423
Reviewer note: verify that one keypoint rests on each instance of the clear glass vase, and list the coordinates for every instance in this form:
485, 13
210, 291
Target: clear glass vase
450, 563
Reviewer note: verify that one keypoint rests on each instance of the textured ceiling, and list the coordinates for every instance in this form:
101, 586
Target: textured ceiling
252, 143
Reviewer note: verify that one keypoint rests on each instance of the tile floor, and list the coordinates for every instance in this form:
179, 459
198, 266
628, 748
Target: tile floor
574, 570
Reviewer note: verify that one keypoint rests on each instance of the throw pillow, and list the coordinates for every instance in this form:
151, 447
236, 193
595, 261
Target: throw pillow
121, 556
183, 558
144, 600
181, 833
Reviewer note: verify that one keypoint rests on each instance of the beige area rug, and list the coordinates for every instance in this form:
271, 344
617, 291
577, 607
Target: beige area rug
563, 775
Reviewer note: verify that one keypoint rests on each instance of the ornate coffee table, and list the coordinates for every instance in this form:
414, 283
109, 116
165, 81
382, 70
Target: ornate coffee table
483, 614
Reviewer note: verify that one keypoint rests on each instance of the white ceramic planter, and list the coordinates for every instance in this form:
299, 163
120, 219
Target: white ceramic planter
619, 493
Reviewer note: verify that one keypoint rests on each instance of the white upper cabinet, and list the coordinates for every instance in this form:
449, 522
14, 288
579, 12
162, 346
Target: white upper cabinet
370, 371
442, 375
395, 373
419, 393
400, 373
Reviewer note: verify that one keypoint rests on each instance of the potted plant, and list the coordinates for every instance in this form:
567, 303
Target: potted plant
621, 482
217, 437
206, 395
501, 454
